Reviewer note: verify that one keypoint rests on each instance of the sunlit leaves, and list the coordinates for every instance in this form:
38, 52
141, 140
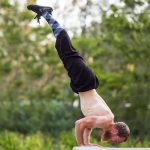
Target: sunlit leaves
31, 1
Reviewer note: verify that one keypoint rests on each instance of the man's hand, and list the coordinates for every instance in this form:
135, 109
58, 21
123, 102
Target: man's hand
90, 144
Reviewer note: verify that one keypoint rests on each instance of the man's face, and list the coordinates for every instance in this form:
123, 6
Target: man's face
113, 139
112, 136
116, 139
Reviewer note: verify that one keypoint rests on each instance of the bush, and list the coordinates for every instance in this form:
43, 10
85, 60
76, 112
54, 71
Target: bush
32, 116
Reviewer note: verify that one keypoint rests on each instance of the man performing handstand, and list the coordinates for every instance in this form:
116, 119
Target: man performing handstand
84, 82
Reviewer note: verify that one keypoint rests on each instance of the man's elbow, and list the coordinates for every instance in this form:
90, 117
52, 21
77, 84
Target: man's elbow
78, 124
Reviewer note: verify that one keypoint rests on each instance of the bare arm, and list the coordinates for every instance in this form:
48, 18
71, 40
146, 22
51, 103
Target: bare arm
87, 134
90, 122
79, 131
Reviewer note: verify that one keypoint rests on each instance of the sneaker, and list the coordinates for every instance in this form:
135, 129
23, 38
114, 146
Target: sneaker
39, 10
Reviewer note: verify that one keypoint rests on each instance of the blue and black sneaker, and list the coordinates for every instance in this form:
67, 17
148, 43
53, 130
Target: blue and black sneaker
39, 10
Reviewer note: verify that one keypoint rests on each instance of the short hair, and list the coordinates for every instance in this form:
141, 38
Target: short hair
123, 130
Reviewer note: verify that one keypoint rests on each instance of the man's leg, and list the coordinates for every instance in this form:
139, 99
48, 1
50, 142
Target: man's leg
53, 23
82, 77
63, 43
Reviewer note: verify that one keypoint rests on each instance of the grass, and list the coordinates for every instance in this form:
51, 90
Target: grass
39, 141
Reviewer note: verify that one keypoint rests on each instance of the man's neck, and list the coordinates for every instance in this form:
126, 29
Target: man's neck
108, 128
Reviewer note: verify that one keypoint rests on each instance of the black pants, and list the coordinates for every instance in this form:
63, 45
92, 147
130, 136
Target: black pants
82, 77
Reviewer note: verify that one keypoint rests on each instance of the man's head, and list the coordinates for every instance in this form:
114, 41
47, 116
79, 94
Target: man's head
117, 133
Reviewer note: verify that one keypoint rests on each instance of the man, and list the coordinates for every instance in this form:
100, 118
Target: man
84, 82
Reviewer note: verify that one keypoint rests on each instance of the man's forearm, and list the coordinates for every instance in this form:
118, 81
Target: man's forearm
87, 133
79, 131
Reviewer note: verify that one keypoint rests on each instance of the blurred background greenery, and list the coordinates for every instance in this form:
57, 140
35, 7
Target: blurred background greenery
38, 108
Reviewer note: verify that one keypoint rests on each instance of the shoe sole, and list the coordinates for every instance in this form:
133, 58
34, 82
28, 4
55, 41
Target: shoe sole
29, 7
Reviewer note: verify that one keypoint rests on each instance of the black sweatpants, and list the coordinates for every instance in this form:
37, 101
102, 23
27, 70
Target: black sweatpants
82, 77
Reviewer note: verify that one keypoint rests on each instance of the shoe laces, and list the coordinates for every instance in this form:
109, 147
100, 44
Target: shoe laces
38, 17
